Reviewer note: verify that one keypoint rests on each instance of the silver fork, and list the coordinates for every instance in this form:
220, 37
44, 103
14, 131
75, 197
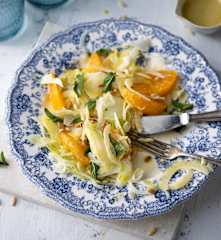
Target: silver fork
165, 150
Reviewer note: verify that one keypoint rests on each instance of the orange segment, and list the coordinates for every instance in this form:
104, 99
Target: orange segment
148, 107
55, 97
68, 103
75, 146
160, 86
94, 63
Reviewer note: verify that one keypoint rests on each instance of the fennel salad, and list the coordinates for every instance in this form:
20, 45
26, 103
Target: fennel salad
88, 112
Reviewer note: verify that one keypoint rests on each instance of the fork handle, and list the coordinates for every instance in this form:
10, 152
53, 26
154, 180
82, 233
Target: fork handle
209, 159
206, 117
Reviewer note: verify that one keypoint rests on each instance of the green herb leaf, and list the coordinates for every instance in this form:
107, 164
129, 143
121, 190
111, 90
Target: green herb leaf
91, 104
108, 82
77, 119
94, 169
3, 160
79, 84
118, 147
140, 60
87, 150
104, 52
54, 118
45, 132
180, 129
179, 106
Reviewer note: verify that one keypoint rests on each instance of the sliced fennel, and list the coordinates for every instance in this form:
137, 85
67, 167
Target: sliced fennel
108, 146
66, 165
137, 175
68, 77
117, 108
97, 146
97, 114
51, 79
127, 58
180, 165
103, 103
118, 123
41, 141
50, 126
93, 84
125, 172
181, 181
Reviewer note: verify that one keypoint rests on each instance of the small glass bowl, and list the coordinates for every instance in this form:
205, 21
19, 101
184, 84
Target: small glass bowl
193, 26
47, 3
11, 17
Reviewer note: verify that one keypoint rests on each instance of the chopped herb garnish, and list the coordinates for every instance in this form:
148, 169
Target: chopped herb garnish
91, 104
45, 132
180, 129
119, 49
118, 146
94, 169
122, 4
3, 161
79, 85
140, 60
87, 150
54, 118
104, 52
108, 82
180, 107
77, 119
106, 11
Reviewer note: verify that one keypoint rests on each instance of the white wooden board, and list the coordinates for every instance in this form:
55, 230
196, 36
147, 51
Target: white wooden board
13, 182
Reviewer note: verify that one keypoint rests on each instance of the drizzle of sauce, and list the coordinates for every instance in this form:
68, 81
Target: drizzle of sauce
203, 12
150, 167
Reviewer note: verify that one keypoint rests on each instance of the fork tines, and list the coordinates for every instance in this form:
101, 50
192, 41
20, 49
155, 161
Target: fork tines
152, 145
165, 150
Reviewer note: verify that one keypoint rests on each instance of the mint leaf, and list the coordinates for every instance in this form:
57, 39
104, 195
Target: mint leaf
118, 146
179, 106
87, 150
94, 169
79, 84
53, 118
91, 104
140, 61
108, 82
104, 52
3, 161
77, 119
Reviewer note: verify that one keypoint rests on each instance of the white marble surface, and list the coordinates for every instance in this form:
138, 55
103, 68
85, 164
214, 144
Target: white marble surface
203, 216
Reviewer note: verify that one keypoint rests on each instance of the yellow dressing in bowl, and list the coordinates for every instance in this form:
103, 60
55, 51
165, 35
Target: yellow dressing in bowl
202, 12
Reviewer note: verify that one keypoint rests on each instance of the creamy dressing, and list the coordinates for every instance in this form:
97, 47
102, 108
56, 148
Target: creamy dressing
203, 12
150, 168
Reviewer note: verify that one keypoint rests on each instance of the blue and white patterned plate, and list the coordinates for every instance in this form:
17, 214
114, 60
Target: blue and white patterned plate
58, 53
